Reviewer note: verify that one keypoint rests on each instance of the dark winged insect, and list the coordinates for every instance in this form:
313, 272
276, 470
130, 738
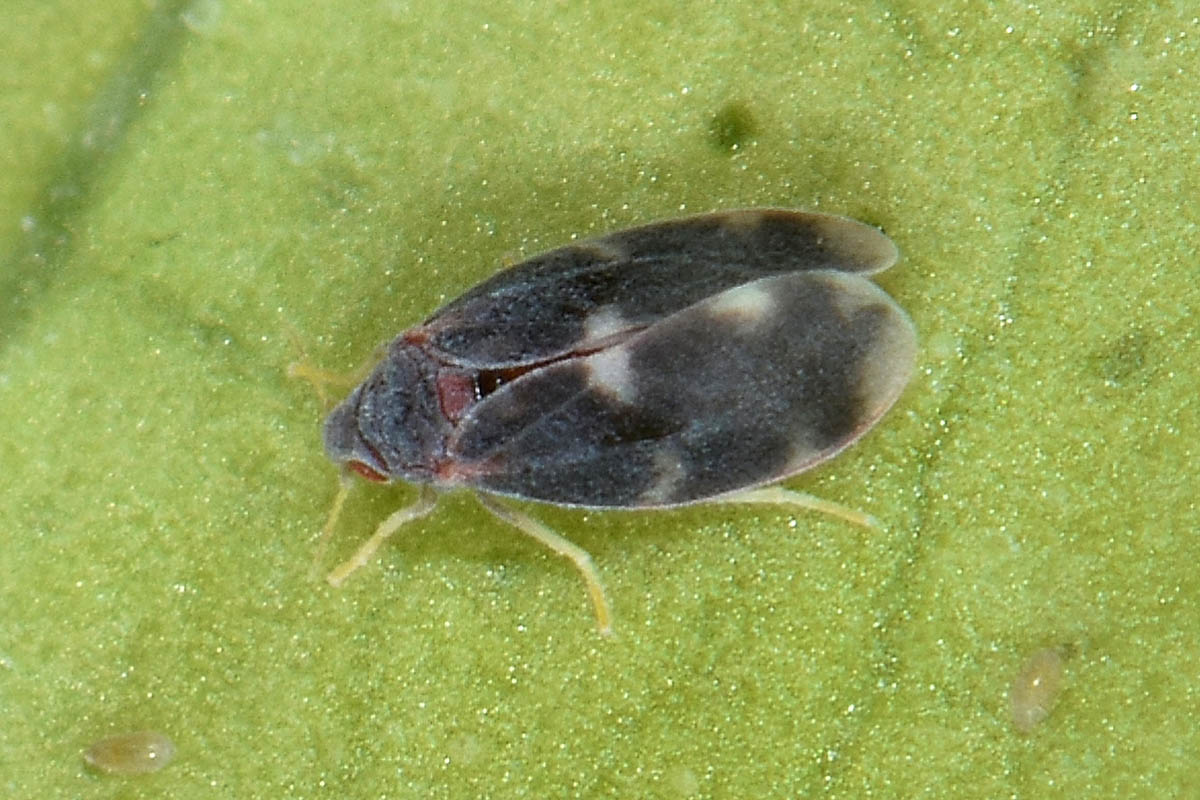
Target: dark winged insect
692, 360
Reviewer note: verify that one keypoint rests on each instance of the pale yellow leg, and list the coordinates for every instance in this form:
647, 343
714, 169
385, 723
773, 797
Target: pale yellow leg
344, 487
425, 503
775, 495
563, 547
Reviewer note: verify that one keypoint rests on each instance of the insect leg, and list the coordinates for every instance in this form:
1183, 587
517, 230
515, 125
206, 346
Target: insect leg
775, 495
339, 500
563, 547
398, 519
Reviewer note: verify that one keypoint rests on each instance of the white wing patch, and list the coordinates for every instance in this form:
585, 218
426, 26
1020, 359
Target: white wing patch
602, 323
609, 372
747, 304
668, 472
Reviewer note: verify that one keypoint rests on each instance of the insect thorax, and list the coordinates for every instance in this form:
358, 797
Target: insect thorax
393, 423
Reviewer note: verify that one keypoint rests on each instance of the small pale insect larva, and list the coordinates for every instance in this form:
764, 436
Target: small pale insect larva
1036, 688
696, 360
133, 753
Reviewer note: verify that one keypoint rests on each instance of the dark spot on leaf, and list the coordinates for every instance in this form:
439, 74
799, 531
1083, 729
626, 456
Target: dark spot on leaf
1119, 361
732, 126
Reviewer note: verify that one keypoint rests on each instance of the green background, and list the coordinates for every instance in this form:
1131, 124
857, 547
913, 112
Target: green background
197, 194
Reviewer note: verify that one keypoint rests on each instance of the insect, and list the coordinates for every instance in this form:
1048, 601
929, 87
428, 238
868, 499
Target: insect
692, 360
131, 753
1036, 688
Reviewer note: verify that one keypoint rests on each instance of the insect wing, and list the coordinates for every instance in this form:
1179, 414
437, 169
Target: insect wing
576, 297
741, 389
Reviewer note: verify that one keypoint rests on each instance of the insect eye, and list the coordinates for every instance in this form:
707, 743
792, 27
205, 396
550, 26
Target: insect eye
366, 472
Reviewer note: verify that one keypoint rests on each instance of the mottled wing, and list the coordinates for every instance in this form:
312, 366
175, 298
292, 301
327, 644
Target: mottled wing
568, 299
753, 384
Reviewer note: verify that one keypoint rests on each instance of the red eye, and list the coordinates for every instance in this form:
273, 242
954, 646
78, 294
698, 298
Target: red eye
367, 472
